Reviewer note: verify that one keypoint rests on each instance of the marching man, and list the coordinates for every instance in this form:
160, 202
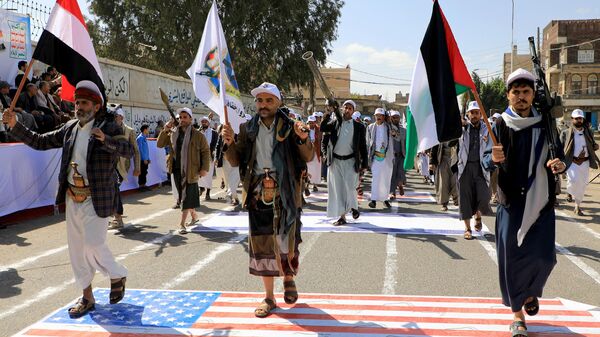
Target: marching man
381, 156
580, 156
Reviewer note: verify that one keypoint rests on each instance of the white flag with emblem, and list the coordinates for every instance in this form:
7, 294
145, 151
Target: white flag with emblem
212, 73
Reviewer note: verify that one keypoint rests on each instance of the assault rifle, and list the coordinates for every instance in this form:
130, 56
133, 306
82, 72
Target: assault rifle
544, 103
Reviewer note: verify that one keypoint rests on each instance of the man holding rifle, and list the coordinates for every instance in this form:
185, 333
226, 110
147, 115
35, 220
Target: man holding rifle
525, 219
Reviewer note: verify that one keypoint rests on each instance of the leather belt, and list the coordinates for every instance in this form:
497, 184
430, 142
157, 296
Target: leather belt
337, 156
78, 194
580, 160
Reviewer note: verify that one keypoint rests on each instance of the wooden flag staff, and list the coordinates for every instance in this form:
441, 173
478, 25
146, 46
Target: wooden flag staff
485, 117
21, 85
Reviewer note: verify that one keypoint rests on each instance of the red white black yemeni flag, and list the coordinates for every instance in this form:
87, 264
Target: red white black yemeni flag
66, 45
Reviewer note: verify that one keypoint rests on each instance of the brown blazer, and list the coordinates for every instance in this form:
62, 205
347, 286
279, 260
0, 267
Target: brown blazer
566, 138
198, 153
244, 143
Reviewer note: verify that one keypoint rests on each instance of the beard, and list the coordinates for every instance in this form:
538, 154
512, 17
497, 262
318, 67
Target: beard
578, 124
84, 116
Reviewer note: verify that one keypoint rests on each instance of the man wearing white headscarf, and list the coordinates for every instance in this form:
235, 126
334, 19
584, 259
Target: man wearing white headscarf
398, 174
211, 136
580, 156
314, 166
525, 219
381, 157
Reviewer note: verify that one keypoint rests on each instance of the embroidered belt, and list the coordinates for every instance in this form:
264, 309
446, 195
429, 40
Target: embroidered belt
579, 160
78, 194
346, 157
379, 156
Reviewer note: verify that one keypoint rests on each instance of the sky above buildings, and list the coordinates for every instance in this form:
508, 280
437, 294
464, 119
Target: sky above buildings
382, 37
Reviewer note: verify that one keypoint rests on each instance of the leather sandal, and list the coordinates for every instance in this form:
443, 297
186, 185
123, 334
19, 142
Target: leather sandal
532, 308
290, 293
340, 222
355, 213
81, 307
478, 224
516, 332
468, 235
264, 308
117, 291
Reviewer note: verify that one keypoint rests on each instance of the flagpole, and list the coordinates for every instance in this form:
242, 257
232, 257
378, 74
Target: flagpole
21, 85
222, 84
485, 117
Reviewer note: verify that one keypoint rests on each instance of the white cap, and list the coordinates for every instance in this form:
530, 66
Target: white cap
395, 113
312, 118
318, 114
186, 110
204, 118
86, 84
577, 113
120, 112
367, 118
473, 106
248, 117
496, 115
379, 111
351, 102
266, 88
356, 114
519, 74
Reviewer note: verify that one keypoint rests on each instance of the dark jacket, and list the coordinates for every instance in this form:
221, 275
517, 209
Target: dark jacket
101, 160
514, 171
213, 143
359, 139
566, 138
242, 153
27, 103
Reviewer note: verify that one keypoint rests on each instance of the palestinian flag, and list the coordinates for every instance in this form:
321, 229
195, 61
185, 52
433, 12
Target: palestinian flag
433, 114
66, 45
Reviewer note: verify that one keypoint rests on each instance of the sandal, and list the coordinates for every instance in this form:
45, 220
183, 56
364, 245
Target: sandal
290, 293
532, 308
478, 224
355, 213
117, 291
81, 307
265, 308
514, 329
183, 230
340, 222
468, 235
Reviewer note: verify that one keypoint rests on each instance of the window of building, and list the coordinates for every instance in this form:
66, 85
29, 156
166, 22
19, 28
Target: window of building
592, 84
585, 56
575, 85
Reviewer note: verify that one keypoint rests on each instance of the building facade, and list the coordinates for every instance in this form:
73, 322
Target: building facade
570, 54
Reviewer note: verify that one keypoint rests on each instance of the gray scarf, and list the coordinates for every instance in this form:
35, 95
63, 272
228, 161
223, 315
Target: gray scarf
184, 155
537, 189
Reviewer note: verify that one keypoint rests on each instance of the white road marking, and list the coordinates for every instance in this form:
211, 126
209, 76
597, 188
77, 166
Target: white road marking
579, 263
32, 259
391, 266
580, 225
487, 246
49, 291
186, 275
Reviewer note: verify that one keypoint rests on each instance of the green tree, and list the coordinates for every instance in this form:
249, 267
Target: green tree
265, 38
492, 93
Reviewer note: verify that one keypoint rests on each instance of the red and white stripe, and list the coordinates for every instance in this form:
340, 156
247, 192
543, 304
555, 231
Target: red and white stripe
359, 316
66, 45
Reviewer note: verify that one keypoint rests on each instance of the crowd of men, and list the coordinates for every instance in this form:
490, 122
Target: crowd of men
277, 157
39, 106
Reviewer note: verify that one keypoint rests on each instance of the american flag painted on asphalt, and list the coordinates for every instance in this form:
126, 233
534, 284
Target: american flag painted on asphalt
156, 313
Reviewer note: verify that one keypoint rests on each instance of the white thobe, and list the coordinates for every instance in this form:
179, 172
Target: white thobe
232, 178
86, 231
206, 181
382, 170
342, 179
314, 166
578, 175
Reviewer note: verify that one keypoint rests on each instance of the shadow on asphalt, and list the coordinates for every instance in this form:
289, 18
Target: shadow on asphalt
440, 241
584, 252
9, 279
147, 237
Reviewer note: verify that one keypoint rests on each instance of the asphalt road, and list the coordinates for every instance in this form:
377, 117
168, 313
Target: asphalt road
36, 277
